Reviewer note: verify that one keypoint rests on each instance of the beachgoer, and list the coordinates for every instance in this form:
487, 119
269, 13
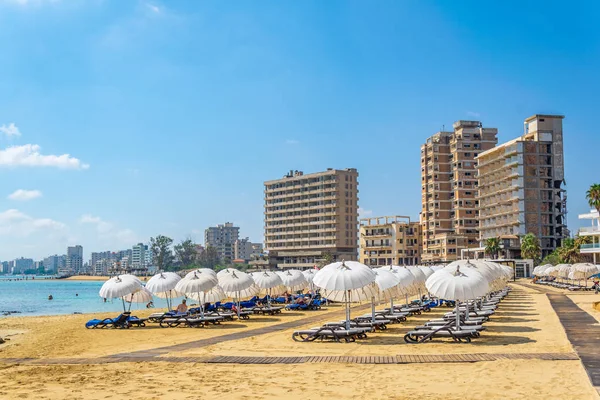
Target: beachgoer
182, 308
234, 308
76, 294
105, 299
150, 305
596, 285
50, 297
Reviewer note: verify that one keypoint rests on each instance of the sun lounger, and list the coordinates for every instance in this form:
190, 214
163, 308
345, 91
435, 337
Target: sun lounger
329, 333
191, 322
476, 328
419, 336
118, 322
135, 321
157, 317
267, 310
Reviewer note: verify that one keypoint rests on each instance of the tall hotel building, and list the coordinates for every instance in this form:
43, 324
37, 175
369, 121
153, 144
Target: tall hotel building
521, 187
310, 216
390, 240
449, 214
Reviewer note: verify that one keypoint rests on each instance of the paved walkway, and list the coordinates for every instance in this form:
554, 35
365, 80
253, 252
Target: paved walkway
583, 330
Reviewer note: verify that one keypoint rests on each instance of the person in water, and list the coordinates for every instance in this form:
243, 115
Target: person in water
150, 305
50, 297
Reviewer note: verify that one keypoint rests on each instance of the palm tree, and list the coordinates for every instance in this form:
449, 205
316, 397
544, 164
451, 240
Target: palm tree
492, 246
530, 247
593, 196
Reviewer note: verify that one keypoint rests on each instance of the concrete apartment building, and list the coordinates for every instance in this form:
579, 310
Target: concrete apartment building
55, 262
310, 216
101, 255
449, 214
521, 187
74, 263
593, 231
244, 249
390, 240
141, 256
222, 238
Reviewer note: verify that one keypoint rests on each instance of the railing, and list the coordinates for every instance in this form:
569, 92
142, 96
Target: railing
590, 246
589, 229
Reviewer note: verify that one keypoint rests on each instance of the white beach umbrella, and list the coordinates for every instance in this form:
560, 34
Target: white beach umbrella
269, 281
201, 271
386, 283
142, 295
347, 278
309, 274
197, 283
458, 286
406, 284
584, 271
293, 279
163, 285
237, 284
116, 287
428, 271
564, 270
129, 276
226, 271
213, 295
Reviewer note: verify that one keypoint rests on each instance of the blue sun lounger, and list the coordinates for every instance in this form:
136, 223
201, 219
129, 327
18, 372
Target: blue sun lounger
119, 322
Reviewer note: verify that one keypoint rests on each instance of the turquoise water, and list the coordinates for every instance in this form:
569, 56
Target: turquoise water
30, 297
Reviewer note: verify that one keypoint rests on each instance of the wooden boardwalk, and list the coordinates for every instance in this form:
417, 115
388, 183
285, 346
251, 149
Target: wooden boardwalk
398, 359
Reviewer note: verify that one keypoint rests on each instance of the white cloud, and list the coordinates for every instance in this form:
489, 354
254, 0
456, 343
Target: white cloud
292, 141
153, 8
364, 213
24, 195
29, 155
10, 129
15, 223
473, 114
107, 231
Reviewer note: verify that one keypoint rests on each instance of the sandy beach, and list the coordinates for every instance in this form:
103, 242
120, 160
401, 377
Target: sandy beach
524, 323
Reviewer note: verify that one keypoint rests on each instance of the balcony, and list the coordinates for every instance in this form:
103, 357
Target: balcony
590, 248
589, 231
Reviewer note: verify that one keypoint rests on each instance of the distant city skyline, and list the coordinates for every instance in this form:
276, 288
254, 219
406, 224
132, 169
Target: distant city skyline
125, 120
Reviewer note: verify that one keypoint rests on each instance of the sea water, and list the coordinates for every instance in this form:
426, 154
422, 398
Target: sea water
30, 297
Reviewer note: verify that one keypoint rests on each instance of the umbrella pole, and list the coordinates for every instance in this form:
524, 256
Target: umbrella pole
392, 304
406, 299
239, 304
201, 305
420, 298
346, 293
123, 300
373, 308
457, 315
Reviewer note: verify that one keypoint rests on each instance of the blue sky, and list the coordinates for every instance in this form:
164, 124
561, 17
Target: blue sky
174, 113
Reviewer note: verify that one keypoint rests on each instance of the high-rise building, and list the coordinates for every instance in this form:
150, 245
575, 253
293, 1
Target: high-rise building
310, 217
521, 187
245, 249
222, 238
101, 255
74, 259
22, 264
55, 262
140, 256
449, 189
390, 240
102, 267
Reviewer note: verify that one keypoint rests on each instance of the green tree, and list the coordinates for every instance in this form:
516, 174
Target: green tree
326, 259
185, 253
209, 258
161, 252
530, 247
593, 196
492, 246
569, 252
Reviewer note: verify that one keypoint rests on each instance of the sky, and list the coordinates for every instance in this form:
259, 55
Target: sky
122, 120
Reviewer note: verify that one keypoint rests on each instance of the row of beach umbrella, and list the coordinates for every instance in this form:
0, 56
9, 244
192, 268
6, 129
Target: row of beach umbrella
346, 282
577, 271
